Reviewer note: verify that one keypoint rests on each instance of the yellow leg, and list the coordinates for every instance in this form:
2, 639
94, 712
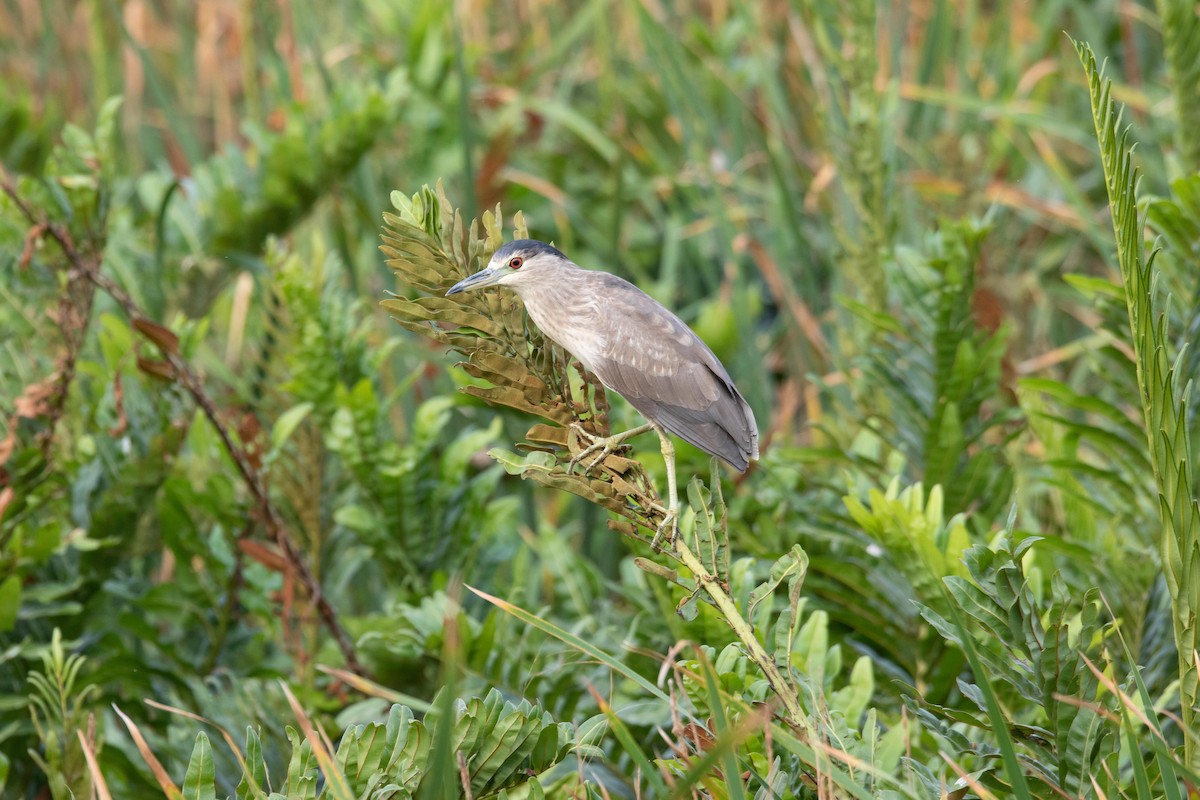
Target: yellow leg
670, 523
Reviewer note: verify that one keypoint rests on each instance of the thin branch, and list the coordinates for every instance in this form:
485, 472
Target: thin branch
464, 775
186, 377
47, 399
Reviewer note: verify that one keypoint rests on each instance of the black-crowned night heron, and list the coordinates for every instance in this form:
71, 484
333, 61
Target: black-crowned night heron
637, 348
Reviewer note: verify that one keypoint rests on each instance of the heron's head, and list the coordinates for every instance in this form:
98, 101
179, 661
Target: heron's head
518, 263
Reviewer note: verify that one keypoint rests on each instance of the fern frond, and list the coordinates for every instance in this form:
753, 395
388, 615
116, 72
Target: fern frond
855, 129
1163, 402
1181, 40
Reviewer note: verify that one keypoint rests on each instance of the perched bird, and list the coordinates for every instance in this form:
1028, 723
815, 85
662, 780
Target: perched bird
636, 347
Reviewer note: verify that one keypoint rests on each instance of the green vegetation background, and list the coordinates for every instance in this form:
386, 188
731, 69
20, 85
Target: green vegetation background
241, 507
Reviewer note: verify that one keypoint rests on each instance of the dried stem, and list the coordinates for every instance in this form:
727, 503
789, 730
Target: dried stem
48, 398
189, 380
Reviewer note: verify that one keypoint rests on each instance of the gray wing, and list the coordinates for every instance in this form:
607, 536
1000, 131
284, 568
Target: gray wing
655, 361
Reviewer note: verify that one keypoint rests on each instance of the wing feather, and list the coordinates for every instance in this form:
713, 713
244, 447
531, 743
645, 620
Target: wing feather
665, 371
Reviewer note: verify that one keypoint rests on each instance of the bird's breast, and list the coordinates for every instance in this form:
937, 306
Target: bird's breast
573, 326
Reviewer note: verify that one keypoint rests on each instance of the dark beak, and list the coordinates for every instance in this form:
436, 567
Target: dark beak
477, 281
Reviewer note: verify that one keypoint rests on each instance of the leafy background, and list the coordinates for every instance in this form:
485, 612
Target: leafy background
251, 536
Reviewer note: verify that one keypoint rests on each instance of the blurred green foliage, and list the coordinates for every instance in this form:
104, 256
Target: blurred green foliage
970, 542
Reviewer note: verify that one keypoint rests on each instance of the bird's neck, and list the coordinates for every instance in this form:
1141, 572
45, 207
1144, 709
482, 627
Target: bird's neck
561, 306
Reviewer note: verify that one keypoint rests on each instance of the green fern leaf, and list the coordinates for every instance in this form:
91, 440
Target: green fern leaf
1163, 403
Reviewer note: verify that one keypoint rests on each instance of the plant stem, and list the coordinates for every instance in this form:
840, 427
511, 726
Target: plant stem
796, 716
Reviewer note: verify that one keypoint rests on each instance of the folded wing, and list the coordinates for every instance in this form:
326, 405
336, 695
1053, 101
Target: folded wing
655, 361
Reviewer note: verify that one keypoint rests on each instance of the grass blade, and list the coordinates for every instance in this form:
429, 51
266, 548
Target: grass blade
574, 641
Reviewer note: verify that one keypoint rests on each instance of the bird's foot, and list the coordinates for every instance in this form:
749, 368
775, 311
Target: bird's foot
606, 445
669, 527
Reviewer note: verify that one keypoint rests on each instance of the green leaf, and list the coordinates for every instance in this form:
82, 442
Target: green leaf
515, 464
852, 700
253, 784
287, 423
357, 518
792, 568
688, 608
999, 725
106, 124
1167, 768
10, 602
708, 526
302, 771
199, 782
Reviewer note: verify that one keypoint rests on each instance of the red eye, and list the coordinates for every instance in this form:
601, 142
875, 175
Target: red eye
516, 262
